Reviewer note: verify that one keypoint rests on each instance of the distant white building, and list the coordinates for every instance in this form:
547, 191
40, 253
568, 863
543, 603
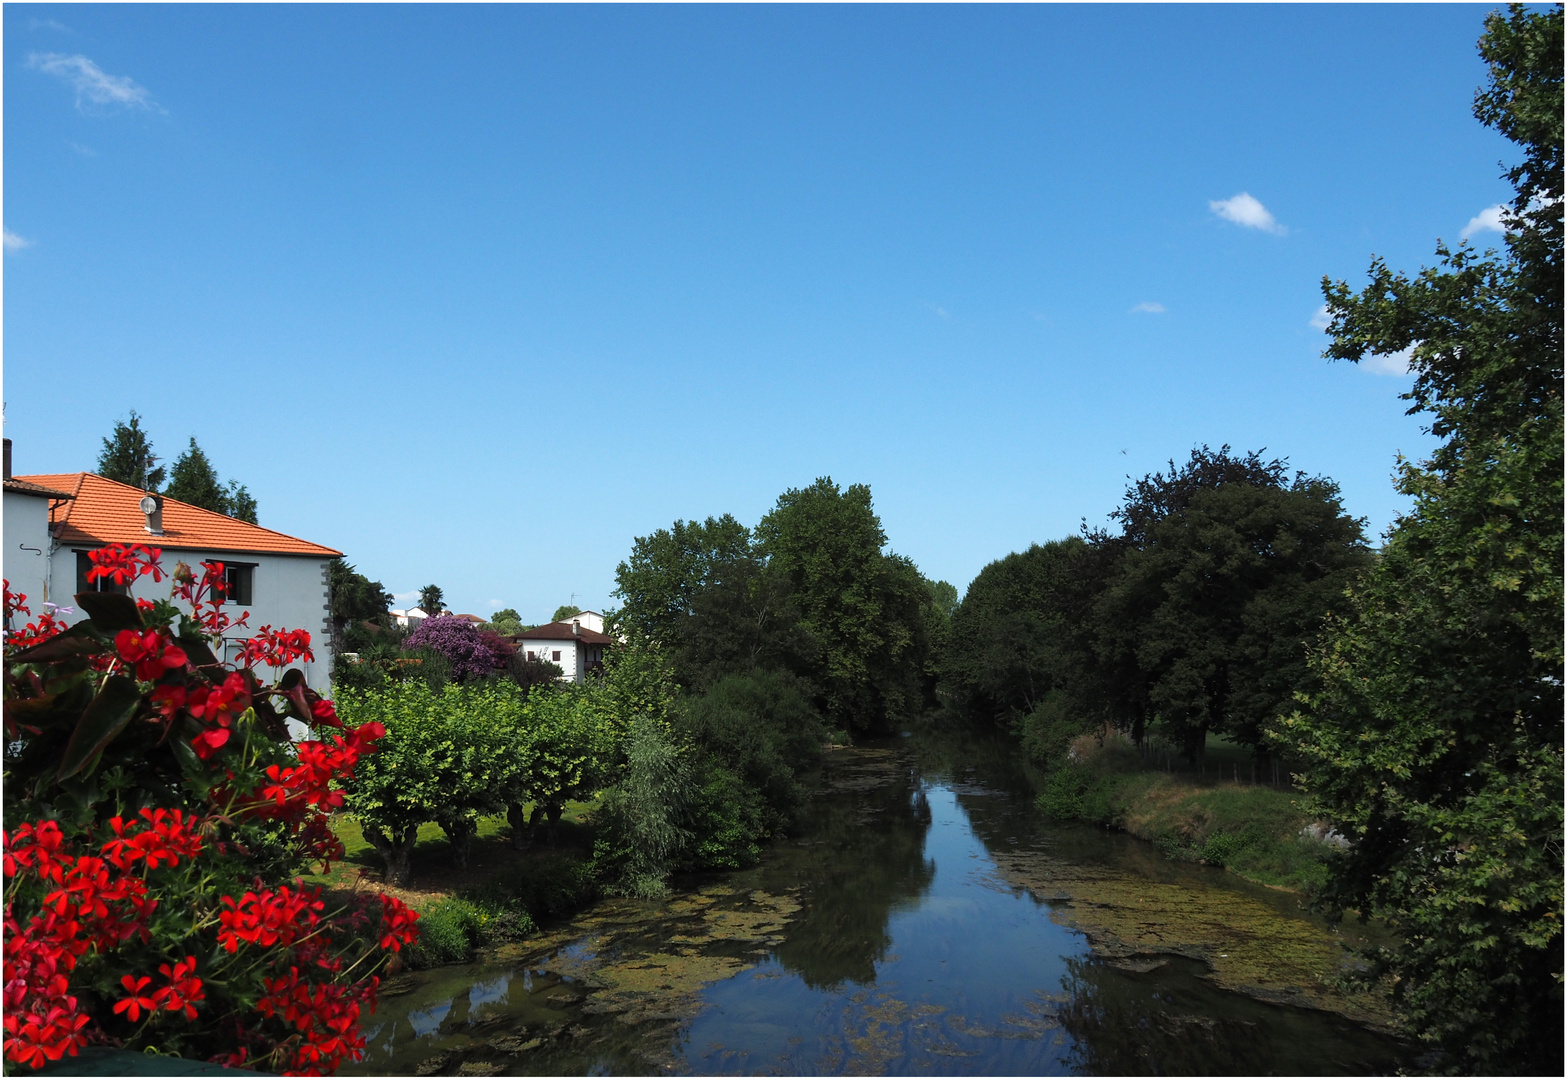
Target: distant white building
411, 617
590, 620
571, 645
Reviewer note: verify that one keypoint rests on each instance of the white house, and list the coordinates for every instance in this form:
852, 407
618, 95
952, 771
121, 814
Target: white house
590, 620
279, 579
571, 645
409, 617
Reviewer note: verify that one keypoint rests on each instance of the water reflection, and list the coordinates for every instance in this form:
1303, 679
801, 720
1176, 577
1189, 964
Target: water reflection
883, 938
861, 857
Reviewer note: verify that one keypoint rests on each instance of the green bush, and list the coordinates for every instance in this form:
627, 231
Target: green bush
1048, 731
641, 830
727, 820
448, 931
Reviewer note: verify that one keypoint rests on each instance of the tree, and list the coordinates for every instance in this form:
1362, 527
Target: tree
1434, 742
193, 480
658, 584
862, 607
564, 612
506, 621
355, 600
457, 640
128, 458
1222, 574
431, 601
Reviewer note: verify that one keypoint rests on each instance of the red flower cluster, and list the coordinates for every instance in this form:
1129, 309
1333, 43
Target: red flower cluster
326, 1016
219, 706
291, 789
270, 917
46, 626
151, 651
278, 648
206, 594
165, 836
124, 563
397, 924
41, 1020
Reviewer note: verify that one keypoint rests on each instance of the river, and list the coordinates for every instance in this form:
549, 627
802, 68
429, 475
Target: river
922, 920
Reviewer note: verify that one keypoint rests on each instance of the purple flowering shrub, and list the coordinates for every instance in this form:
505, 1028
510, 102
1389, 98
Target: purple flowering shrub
458, 641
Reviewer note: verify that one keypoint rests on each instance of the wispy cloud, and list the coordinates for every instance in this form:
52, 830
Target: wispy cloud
93, 85
1149, 307
1244, 210
85, 151
1487, 220
1322, 320
14, 242
1389, 363
47, 24
937, 309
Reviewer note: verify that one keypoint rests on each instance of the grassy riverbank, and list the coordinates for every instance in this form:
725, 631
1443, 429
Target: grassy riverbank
1252, 830
502, 895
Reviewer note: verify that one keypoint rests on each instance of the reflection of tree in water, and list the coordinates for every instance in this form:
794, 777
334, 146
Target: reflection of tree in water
864, 857
1170, 1022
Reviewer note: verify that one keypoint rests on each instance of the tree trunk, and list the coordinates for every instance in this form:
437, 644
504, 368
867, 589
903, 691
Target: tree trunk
396, 851
521, 835
460, 832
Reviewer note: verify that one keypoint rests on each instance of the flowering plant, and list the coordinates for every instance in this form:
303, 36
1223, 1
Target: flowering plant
458, 641
155, 812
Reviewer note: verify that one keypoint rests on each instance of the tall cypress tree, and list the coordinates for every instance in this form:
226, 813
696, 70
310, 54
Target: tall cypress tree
193, 480
127, 456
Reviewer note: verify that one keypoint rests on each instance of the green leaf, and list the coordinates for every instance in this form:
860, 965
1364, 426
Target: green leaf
110, 612
104, 718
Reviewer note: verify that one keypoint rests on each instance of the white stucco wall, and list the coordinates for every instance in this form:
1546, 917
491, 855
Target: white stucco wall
570, 654
289, 592
27, 526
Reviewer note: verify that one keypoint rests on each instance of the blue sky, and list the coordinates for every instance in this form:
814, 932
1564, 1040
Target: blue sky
477, 295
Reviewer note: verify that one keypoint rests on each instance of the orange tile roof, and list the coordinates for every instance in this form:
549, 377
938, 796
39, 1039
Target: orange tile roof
106, 512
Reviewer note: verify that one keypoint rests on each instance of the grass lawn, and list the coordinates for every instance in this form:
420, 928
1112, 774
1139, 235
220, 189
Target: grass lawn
491, 859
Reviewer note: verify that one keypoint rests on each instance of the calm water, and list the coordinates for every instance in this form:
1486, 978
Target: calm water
879, 939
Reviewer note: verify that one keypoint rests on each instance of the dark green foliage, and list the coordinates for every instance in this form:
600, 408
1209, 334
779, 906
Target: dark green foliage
763, 728
667, 569
564, 612
1223, 571
356, 600
864, 609
1434, 742
1022, 632
128, 458
507, 622
1046, 734
193, 480
431, 600
727, 819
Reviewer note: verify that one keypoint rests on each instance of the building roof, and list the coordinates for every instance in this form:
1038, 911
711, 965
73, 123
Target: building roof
22, 487
107, 512
562, 631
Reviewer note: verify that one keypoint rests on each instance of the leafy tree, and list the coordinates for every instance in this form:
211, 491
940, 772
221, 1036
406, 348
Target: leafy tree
431, 600
1435, 739
1021, 632
355, 600
861, 606
668, 568
1222, 573
506, 621
564, 612
127, 456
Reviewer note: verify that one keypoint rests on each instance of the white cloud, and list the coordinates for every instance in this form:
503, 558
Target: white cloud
1245, 210
85, 151
14, 242
1487, 220
47, 24
93, 85
939, 310
1148, 307
1389, 363
1322, 320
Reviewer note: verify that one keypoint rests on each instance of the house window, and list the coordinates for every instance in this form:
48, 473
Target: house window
531, 655
555, 656
84, 564
241, 579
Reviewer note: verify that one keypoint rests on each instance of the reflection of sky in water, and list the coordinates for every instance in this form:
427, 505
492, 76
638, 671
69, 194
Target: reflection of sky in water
979, 952
424, 1021
483, 993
